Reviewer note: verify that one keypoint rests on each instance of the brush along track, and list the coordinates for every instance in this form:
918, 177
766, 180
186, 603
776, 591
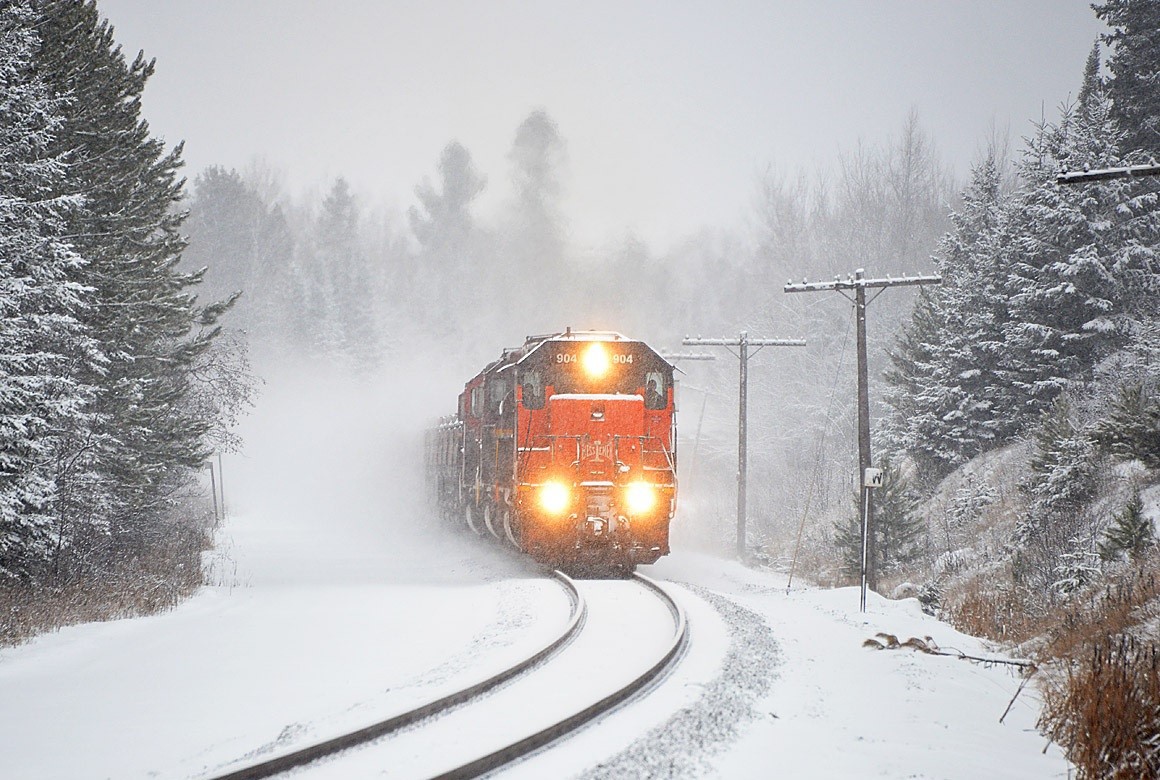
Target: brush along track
330, 747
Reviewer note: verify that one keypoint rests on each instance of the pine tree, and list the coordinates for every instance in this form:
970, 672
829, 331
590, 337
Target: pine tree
1069, 300
450, 269
1131, 428
244, 244
342, 272
1131, 532
144, 318
1062, 467
898, 530
536, 156
947, 402
41, 340
1135, 70
445, 218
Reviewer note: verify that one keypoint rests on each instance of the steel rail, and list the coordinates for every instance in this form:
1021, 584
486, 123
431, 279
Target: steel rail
545, 737
311, 753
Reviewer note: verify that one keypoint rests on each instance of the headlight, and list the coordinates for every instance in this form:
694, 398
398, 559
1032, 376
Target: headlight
595, 361
640, 497
554, 497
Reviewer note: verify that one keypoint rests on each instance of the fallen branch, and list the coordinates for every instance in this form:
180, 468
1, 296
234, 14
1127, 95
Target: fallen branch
928, 645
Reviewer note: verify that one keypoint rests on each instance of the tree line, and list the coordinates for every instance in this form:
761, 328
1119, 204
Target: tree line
1046, 324
113, 383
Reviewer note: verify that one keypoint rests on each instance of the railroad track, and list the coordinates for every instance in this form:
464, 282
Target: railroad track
509, 746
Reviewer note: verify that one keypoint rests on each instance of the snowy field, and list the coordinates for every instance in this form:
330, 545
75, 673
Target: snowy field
330, 611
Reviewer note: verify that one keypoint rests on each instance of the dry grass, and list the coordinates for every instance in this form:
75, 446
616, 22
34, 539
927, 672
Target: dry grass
154, 579
1106, 710
976, 606
1099, 660
1120, 606
1102, 682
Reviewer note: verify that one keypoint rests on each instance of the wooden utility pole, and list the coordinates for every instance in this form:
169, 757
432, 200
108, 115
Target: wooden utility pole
743, 343
858, 283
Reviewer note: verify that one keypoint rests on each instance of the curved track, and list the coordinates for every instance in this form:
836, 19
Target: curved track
330, 747
585, 637
562, 728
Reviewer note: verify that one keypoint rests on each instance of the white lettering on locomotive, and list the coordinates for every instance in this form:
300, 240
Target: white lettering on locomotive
597, 451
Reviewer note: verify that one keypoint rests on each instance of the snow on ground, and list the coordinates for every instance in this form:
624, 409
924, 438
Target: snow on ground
836, 709
333, 605
240, 670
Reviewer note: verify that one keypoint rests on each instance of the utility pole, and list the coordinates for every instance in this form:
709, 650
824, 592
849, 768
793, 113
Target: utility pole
858, 283
743, 342
222, 483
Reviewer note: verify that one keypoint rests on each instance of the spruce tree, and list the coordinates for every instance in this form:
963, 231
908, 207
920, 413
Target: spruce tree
446, 287
1131, 532
342, 272
1069, 301
1130, 430
1062, 466
244, 244
946, 399
1135, 71
538, 233
898, 531
41, 341
144, 317
445, 217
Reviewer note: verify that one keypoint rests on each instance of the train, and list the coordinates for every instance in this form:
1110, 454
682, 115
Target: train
564, 448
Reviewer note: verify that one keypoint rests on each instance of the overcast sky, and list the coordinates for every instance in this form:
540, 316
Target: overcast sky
669, 109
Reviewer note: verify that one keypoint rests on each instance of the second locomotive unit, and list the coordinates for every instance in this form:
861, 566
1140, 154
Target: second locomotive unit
565, 448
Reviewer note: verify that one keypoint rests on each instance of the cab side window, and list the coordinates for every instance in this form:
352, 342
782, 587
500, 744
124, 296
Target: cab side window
655, 390
533, 389
477, 401
497, 392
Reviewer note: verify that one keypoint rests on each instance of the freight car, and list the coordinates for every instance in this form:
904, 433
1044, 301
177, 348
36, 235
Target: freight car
565, 448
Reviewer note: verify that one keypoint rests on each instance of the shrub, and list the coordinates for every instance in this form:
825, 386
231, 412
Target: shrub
1106, 713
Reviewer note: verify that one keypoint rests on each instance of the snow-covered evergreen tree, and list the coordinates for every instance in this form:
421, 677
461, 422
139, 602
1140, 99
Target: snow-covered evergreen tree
144, 317
244, 243
42, 402
1131, 533
1135, 67
445, 218
538, 228
1065, 295
1130, 430
342, 271
946, 401
898, 531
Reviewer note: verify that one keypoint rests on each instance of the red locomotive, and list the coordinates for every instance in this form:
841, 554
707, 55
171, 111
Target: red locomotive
565, 448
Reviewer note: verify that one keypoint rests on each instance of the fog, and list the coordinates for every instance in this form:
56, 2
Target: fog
327, 488
670, 111
400, 192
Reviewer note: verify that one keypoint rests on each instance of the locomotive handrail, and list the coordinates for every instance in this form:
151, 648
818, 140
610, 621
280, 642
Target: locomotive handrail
338, 744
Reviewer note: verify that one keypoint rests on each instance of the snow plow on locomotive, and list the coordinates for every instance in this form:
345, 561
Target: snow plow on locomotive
564, 448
